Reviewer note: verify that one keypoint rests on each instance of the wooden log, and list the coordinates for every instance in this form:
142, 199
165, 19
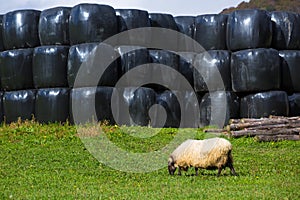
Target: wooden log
271, 132
264, 124
214, 130
275, 138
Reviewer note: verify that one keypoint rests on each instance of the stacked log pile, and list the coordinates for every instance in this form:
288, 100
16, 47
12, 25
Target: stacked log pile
274, 128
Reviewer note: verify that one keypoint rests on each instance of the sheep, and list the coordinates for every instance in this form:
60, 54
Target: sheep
213, 153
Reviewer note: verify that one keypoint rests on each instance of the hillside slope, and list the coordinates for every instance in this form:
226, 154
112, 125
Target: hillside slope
270, 5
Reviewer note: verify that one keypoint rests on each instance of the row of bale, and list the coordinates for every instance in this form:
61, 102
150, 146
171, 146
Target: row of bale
87, 104
85, 23
256, 53
251, 70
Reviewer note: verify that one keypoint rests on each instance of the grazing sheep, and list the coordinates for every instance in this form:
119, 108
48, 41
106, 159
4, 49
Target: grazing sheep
213, 153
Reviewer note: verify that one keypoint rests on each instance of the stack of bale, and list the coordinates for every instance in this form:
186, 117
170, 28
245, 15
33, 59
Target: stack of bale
47, 69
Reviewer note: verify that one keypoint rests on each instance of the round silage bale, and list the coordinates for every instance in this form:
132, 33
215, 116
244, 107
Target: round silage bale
16, 69
247, 29
54, 26
92, 23
49, 67
20, 29
18, 104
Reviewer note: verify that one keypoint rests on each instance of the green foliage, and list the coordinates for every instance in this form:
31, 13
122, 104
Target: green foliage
50, 162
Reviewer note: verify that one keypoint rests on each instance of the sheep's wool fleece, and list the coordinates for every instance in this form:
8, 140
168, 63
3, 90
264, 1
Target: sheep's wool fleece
202, 153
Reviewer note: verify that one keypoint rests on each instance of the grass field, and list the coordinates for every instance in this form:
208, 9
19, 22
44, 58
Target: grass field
50, 162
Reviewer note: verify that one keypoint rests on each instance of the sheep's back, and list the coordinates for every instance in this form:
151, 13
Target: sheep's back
202, 153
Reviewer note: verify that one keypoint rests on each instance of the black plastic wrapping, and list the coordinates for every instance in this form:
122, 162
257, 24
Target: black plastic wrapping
1, 38
131, 19
206, 109
163, 57
103, 104
255, 70
294, 102
131, 57
162, 20
49, 66
210, 31
54, 26
1, 107
185, 66
214, 72
286, 30
185, 25
290, 70
169, 102
16, 69
136, 101
248, 29
92, 23
82, 105
90, 104
20, 29
264, 104
79, 54
18, 104
52, 105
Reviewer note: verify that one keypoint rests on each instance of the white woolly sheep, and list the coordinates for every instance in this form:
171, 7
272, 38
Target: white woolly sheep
213, 153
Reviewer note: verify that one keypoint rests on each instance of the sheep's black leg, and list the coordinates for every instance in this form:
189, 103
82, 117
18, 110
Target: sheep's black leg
179, 171
196, 170
232, 169
219, 171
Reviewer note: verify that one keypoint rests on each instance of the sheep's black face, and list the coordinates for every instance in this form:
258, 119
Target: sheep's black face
171, 166
171, 169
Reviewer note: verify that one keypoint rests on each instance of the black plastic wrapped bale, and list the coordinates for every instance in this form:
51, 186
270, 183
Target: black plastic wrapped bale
185, 66
255, 70
131, 57
18, 104
92, 23
185, 25
103, 104
210, 31
214, 71
213, 115
248, 29
16, 69
54, 26
286, 30
49, 67
264, 104
290, 70
20, 29
165, 21
131, 19
82, 105
162, 20
79, 54
1, 107
1, 39
52, 105
294, 101
169, 102
134, 105
191, 108
163, 57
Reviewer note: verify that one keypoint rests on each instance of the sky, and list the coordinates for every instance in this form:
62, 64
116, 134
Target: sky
174, 7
